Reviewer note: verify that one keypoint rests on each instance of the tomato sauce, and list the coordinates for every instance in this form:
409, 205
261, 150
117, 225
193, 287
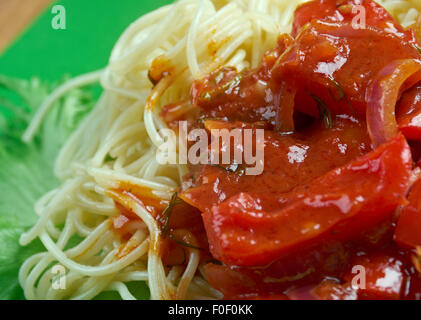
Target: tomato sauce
328, 199
184, 224
332, 200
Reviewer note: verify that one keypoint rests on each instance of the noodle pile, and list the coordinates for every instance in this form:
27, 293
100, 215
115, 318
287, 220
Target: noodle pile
117, 143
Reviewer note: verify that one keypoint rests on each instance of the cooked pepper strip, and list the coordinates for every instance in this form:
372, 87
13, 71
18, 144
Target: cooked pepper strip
336, 206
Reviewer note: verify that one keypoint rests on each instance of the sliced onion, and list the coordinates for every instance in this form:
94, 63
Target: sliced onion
383, 94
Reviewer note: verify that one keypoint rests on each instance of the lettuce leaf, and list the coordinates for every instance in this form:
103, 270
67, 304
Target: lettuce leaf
26, 171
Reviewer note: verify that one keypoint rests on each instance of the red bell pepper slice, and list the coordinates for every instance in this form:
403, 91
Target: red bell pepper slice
345, 12
332, 290
408, 229
337, 206
379, 276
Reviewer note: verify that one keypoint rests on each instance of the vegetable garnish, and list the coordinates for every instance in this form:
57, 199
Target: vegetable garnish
109, 158
220, 88
165, 228
29, 171
342, 94
339, 88
325, 113
182, 243
417, 47
166, 214
383, 94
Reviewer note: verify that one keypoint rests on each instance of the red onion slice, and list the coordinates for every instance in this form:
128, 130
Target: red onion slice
383, 94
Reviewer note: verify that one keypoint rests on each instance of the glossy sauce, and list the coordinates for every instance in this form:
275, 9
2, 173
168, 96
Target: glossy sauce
326, 200
184, 222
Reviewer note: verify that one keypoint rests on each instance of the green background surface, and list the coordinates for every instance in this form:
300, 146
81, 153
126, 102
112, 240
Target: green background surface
92, 28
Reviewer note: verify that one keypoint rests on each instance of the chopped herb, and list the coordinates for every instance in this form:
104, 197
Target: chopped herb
224, 88
182, 243
325, 113
339, 88
342, 94
167, 214
109, 158
416, 47
165, 229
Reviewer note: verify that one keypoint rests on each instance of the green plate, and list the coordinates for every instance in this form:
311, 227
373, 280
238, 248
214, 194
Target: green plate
92, 28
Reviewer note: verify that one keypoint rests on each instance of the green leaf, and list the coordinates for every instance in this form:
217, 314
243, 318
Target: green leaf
26, 171
22, 181
12, 256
